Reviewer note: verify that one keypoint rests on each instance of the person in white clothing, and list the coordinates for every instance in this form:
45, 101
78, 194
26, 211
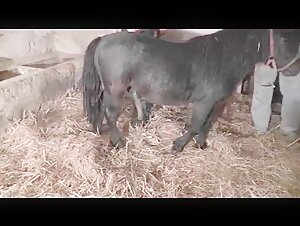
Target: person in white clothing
264, 79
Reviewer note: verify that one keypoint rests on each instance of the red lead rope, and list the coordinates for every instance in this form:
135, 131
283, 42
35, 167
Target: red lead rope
271, 61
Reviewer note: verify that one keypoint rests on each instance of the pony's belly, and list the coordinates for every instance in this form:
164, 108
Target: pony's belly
160, 100
163, 98
158, 91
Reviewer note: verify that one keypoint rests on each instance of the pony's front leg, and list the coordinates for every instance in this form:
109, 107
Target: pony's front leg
112, 112
202, 135
201, 113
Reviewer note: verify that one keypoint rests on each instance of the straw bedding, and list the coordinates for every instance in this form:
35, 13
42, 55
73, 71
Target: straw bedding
52, 153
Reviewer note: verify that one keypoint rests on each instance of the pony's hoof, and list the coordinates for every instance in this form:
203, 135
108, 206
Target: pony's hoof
201, 142
118, 143
176, 148
136, 123
202, 146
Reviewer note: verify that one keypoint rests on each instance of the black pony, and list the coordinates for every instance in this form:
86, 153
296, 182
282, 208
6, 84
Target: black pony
204, 71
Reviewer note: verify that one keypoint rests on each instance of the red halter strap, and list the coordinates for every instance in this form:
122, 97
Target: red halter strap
271, 61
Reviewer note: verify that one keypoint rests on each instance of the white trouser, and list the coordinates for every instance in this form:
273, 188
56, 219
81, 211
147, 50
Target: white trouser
290, 110
264, 77
262, 100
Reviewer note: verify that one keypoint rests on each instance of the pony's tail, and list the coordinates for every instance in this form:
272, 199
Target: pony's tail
92, 87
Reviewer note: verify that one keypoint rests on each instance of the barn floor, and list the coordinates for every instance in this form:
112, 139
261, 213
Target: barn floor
53, 154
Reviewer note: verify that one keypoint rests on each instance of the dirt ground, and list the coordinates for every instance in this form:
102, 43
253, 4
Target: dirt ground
53, 154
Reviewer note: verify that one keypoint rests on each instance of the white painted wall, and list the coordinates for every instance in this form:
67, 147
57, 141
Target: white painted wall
182, 35
76, 41
24, 44
30, 43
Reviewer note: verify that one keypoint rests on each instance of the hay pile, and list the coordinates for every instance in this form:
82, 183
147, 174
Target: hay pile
52, 154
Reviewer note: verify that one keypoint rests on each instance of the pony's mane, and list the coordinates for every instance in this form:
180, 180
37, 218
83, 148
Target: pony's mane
229, 37
231, 51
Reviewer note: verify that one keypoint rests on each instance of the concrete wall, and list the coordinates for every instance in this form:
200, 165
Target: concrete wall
27, 92
23, 45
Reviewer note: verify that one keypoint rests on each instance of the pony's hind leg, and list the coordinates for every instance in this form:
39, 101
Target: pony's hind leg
112, 112
98, 127
142, 110
138, 109
201, 115
147, 107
